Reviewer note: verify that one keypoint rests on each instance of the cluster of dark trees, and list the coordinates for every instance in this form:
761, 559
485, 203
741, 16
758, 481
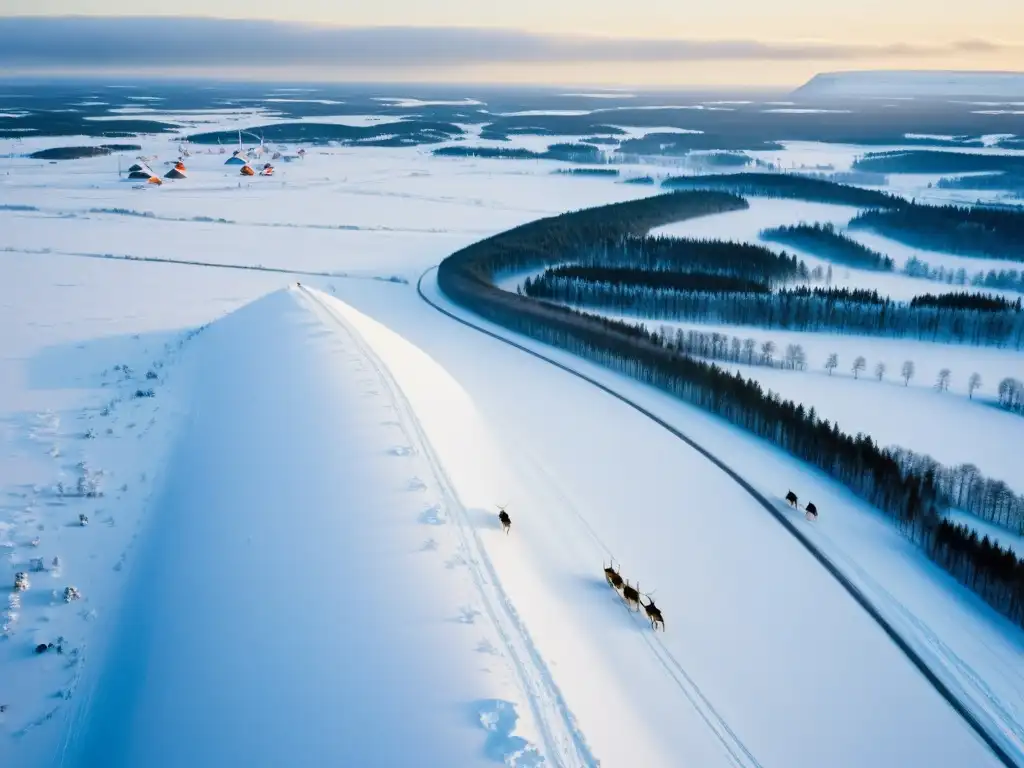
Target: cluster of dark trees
1011, 182
932, 161
785, 185
974, 231
1006, 279
77, 153
995, 573
964, 300
909, 498
800, 309
587, 171
964, 487
826, 241
661, 253
639, 180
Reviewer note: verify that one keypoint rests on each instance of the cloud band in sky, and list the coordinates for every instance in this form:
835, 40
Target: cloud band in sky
167, 42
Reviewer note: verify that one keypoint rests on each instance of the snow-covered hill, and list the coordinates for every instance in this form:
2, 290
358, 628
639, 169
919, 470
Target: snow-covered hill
913, 83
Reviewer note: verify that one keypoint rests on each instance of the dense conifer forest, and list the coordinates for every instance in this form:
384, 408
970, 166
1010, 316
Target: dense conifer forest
932, 318
909, 496
930, 161
977, 231
784, 185
825, 241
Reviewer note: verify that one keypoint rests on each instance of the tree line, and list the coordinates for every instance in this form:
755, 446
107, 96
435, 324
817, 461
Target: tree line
800, 309
663, 253
1004, 279
572, 153
662, 278
786, 185
932, 161
976, 231
825, 241
964, 487
963, 300
911, 499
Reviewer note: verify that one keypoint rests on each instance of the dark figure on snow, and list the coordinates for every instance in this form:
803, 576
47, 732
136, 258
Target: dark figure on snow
791, 498
812, 511
506, 521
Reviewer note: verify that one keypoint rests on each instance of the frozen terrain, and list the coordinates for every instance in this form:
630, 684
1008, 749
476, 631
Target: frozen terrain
306, 505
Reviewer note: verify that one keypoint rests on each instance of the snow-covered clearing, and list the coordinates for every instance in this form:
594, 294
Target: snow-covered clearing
892, 411
319, 575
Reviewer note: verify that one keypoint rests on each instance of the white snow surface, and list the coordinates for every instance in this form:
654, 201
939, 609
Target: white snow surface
302, 438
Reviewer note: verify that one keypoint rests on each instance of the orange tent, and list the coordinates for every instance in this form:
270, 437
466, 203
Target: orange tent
155, 180
247, 171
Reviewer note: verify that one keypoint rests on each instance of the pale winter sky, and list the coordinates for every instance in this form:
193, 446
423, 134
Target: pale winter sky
656, 42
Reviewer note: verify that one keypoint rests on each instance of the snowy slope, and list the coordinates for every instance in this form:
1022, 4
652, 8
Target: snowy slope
294, 560
975, 651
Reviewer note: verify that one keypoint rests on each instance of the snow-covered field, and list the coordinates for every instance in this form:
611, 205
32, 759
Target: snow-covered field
296, 557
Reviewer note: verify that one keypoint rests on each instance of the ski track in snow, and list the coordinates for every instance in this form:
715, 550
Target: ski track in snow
187, 263
738, 754
962, 706
564, 742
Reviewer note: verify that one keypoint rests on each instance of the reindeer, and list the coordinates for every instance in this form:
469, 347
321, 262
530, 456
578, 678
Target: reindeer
791, 498
653, 613
506, 521
811, 511
612, 576
631, 595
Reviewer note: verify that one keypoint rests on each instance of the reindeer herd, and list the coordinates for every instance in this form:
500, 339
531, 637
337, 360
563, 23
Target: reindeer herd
631, 595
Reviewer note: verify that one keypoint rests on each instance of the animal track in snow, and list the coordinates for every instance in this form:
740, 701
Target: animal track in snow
402, 450
415, 484
432, 515
467, 615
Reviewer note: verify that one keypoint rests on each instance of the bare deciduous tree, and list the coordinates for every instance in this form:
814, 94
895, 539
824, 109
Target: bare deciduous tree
942, 383
859, 365
767, 350
972, 384
907, 372
749, 345
832, 363
880, 371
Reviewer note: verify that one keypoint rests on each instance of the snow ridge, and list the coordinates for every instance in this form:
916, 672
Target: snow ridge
564, 741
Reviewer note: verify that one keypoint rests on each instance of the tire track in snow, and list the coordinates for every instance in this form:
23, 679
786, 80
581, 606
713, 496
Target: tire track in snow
565, 744
962, 708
